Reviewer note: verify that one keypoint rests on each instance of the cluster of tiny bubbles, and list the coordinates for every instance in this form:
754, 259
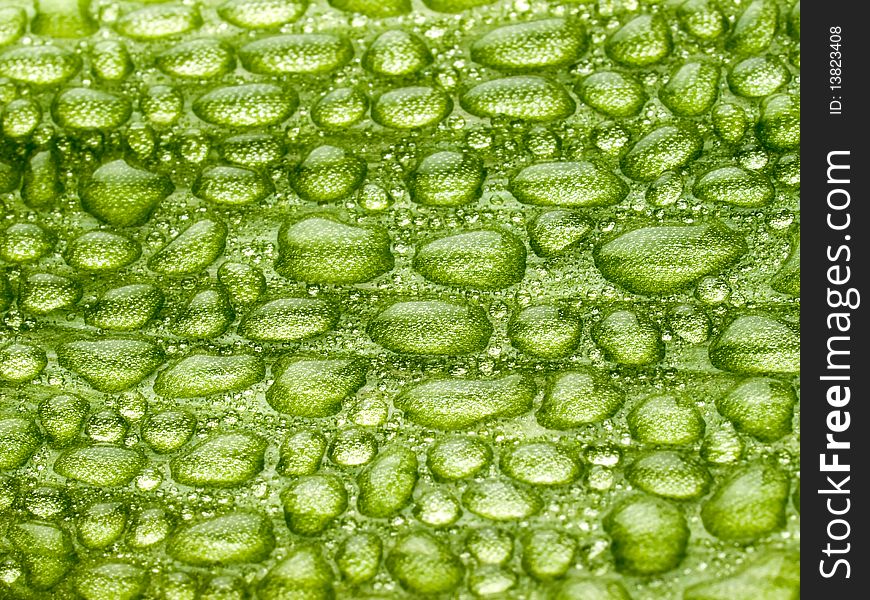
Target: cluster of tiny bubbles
400, 298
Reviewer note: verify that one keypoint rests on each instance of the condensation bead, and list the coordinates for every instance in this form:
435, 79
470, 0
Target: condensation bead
208, 314
788, 171
246, 105
730, 122
692, 88
222, 460
369, 412
458, 458
712, 291
102, 466
374, 8
20, 120
663, 149
755, 27
239, 537
62, 418
702, 19
243, 283
288, 320
168, 431
548, 554
779, 128
101, 251
328, 173
758, 77
663, 259
176, 585
424, 565
544, 331
578, 397
643, 41
555, 232
760, 407
689, 324
48, 502
312, 502
532, 45
666, 421
124, 196
158, 22
126, 308
352, 447
193, 146
150, 527
111, 364
111, 61
666, 190
45, 551
628, 338
5, 293
19, 439
193, 250
305, 573
500, 500
490, 546
252, 149
359, 557
162, 105
455, 6
301, 453
437, 509
648, 535
232, 186
396, 53
10, 178
316, 388
749, 504
526, 97
13, 24
262, 14
669, 475
198, 59
387, 484
44, 293
205, 374
117, 580
794, 21
340, 108
21, 362
41, 186
411, 108
432, 327
484, 259
568, 184
302, 54
447, 178
43, 65
774, 574
788, 279
591, 588
25, 242
451, 404
612, 93
540, 463
220, 587
757, 344
322, 249
734, 185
